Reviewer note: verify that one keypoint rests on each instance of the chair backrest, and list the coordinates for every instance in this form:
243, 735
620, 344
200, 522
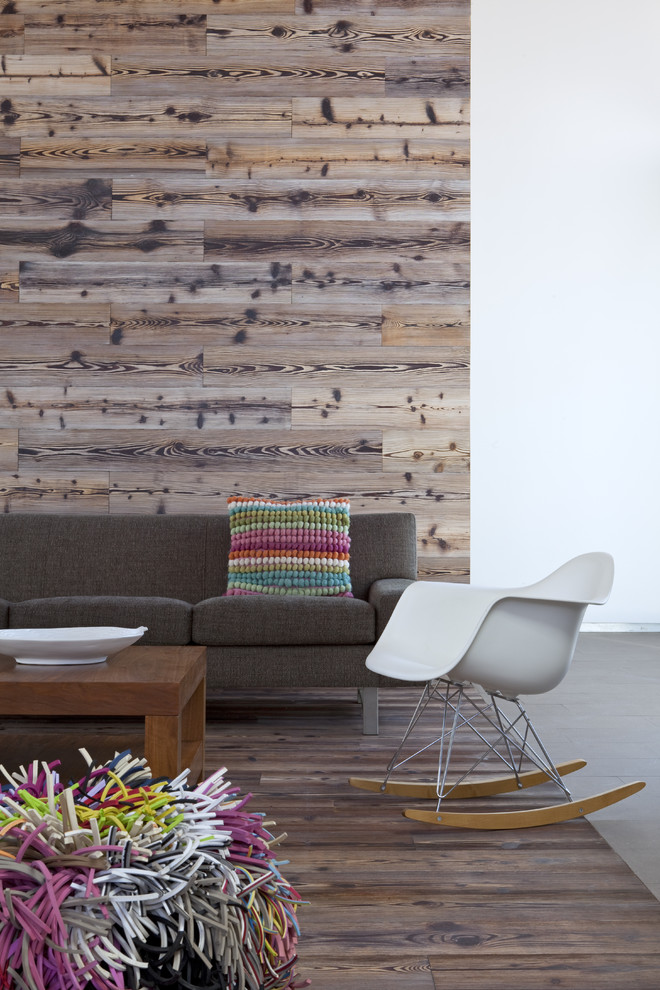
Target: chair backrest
526, 642
511, 640
587, 578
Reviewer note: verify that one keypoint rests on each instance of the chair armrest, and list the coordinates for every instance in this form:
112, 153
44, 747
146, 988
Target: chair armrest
383, 595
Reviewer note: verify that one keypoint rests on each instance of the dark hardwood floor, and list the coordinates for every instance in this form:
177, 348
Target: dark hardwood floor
393, 903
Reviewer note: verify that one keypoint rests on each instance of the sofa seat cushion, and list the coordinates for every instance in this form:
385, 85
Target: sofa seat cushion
4, 613
261, 620
168, 620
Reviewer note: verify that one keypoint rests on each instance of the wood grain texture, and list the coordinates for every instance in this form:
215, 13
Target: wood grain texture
186, 449
8, 284
12, 31
360, 158
234, 256
403, 367
409, 282
72, 199
265, 322
76, 407
389, 117
347, 240
64, 76
10, 151
344, 39
426, 325
438, 75
150, 282
77, 359
41, 116
53, 492
80, 29
103, 241
236, 76
8, 450
426, 406
96, 156
330, 200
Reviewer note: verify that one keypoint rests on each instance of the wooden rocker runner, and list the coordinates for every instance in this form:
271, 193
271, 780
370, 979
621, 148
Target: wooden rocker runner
500, 644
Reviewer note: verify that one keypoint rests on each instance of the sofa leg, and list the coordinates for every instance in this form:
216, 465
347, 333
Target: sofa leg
369, 698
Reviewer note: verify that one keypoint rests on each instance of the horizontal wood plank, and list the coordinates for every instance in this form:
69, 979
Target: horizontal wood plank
591, 971
46, 492
328, 369
429, 325
75, 407
441, 508
428, 75
73, 199
203, 199
344, 8
101, 241
262, 323
307, 239
346, 38
169, 8
150, 282
72, 359
38, 321
409, 282
318, 158
114, 30
358, 402
22, 75
188, 449
444, 117
195, 79
428, 451
48, 116
103, 156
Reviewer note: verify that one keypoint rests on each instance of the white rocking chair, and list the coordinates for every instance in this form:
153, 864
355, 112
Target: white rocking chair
508, 642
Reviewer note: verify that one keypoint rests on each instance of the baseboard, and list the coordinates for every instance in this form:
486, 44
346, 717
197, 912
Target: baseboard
653, 627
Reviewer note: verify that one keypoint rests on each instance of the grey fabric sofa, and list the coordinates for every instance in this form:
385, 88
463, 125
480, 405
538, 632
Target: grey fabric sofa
169, 573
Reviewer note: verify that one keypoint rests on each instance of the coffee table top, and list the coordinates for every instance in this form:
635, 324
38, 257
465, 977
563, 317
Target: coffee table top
140, 680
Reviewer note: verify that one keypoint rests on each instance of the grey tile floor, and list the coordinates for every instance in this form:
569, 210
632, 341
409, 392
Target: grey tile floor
607, 711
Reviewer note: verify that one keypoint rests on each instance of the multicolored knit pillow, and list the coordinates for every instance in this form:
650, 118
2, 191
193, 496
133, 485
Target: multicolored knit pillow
289, 548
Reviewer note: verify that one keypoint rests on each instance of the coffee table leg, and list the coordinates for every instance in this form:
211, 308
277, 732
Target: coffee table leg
162, 744
174, 742
193, 732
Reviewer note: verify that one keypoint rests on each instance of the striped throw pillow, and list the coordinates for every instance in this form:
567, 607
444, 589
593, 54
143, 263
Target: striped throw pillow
289, 548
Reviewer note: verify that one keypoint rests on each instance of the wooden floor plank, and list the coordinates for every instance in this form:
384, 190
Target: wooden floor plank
589, 972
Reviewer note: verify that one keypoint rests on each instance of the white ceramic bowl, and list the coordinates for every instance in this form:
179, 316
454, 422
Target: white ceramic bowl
77, 644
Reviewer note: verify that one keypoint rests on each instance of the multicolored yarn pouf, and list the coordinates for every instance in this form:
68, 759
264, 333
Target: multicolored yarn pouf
123, 882
289, 548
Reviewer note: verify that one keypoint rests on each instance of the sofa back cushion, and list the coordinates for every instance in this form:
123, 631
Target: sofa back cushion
55, 555
177, 556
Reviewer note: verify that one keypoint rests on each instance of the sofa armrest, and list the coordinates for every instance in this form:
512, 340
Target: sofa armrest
383, 595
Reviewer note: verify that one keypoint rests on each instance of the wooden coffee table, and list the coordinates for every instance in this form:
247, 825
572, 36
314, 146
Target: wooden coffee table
164, 684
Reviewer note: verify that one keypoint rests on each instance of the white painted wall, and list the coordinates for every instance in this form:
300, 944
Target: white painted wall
566, 293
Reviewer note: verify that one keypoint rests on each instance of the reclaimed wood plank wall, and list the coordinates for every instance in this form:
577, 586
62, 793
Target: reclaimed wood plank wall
234, 257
